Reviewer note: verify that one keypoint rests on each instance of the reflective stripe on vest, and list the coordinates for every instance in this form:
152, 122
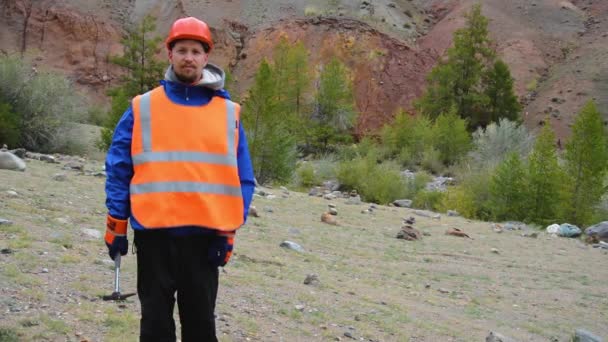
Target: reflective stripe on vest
185, 172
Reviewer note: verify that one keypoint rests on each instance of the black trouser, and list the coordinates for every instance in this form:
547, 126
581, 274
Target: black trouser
168, 264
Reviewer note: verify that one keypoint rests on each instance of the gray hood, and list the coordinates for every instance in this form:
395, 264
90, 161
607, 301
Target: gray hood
213, 77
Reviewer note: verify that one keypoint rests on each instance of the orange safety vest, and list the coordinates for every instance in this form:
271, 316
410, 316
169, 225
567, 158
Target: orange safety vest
185, 164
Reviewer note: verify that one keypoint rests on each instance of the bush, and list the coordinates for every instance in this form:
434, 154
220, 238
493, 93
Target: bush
44, 105
429, 200
492, 144
407, 137
431, 160
416, 184
378, 183
460, 199
472, 193
9, 132
305, 175
451, 138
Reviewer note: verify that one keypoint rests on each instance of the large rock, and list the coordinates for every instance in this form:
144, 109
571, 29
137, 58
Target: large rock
9, 161
496, 337
582, 335
598, 232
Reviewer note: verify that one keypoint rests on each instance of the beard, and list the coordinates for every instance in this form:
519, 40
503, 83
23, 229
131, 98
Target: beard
187, 78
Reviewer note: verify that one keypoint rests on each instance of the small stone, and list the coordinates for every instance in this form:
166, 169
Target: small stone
253, 212
60, 177
442, 290
453, 213
300, 307
12, 193
45, 270
6, 251
5, 222
311, 279
495, 251
333, 211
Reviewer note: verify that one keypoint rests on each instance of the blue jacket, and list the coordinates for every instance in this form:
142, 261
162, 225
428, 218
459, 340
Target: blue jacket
119, 165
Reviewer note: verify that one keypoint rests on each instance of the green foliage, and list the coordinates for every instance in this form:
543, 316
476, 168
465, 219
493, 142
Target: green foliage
508, 189
416, 184
378, 183
334, 114
120, 102
271, 146
431, 160
143, 71
503, 102
138, 58
471, 197
407, 137
41, 106
292, 81
497, 140
9, 126
586, 166
544, 178
451, 138
469, 79
461, 199
305, 175
8, 335
429, 200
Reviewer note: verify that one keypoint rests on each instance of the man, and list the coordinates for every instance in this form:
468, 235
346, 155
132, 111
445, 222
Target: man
179, 170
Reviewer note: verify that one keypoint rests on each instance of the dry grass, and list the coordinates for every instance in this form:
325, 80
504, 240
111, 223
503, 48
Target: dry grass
372, 286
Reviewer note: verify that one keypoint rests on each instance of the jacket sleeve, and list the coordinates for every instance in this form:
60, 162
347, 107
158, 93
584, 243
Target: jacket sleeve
119, 168
245, 171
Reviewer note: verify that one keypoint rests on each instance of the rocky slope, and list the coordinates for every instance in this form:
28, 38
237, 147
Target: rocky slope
556, 49
293, 277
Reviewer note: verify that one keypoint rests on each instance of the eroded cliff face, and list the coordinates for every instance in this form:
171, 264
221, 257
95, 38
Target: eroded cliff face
387, 74
558, 46
57, 37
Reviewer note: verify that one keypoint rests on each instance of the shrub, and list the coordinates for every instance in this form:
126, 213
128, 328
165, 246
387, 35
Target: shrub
431, 160
44, 104
305, 175
450, 137
508, 189
492, 144
378, 183
407, 137
475, 183
416, 184
429, 200
9, 132
460, 199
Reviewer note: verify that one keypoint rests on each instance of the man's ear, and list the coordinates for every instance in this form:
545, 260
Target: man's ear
170, 54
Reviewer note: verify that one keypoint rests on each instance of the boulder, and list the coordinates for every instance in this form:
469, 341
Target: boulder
597, 232
9, 161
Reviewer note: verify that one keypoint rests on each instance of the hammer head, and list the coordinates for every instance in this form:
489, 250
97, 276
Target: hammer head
117, 296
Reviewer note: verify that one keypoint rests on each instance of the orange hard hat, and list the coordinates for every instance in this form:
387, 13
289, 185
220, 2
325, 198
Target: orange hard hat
190, 28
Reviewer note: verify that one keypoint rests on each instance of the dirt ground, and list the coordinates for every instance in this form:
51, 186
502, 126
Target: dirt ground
371, 286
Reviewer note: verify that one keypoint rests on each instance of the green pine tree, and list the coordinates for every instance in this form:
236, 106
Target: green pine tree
586, 165
290, 66
458, 81
335, 111
503, 102
508, 189
544, 179
143, 71
139, 58
272, 147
